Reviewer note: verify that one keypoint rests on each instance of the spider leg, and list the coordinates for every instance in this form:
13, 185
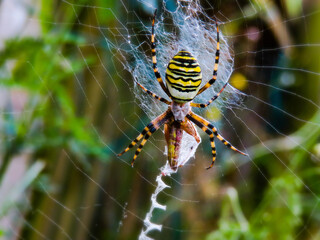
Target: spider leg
145, 139
213, 147
202, 105
210, 130
137, 139
147, 132
154, 95
213, 150
189, 128
154, 58
216, 64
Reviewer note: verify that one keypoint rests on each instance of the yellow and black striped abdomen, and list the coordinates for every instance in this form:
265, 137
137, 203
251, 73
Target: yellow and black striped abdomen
183, 77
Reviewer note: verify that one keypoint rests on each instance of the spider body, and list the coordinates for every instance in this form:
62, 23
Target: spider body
183, 80
183, 77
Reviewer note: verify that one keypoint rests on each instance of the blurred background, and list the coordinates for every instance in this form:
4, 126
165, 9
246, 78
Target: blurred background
66, 109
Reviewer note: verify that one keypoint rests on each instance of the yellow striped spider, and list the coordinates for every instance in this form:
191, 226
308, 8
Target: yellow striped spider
183, 79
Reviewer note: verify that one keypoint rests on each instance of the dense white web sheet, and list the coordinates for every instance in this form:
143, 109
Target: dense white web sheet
128, 43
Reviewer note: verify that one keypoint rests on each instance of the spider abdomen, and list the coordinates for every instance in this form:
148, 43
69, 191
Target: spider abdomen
183, 77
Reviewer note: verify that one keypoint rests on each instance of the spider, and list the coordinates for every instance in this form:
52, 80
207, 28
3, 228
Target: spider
183, 79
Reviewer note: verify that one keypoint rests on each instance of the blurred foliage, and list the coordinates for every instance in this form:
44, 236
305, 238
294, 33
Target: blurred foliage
71, 129
10, 200
43, 70
40, 70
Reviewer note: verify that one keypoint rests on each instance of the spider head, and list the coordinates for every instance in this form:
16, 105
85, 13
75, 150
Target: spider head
183, 77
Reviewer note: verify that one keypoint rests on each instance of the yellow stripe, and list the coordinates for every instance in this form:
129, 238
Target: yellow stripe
185, 69
219, 137
177, 75
144, 141
189, 65
185, 84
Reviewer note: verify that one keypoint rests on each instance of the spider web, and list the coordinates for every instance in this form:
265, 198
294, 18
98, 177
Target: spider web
275, 119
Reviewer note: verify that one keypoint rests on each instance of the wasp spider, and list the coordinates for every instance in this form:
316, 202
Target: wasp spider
183, 79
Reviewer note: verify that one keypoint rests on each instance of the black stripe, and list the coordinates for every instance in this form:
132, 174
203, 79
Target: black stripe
184, 53
212, 80
183, 60
179, 85
208, 131
182, 100
183, 65
184, 90
150, 126
186, 65
183, 79
147, 136
157, 74
183, 73
152, 129
196, 122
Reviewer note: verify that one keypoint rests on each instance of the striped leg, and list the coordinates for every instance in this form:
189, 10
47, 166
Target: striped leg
202, 105
141, 146
216, 64
213, 149
147, 132
206, 130
135, 141
209, 129
154, 58
154, 95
